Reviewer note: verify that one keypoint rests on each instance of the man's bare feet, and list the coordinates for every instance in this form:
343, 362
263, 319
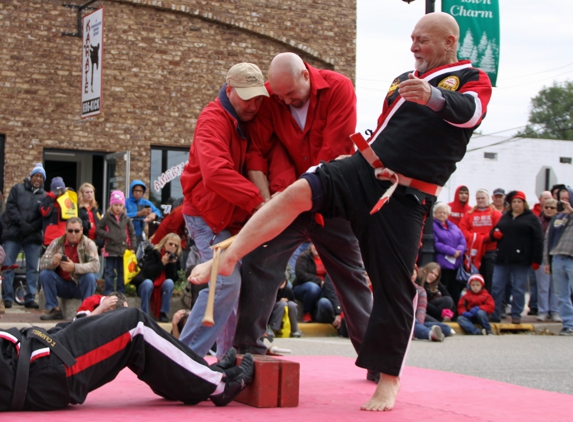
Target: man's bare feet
201, 273
385, 395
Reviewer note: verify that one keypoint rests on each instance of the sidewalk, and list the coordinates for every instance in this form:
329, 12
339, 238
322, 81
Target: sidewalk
20, 317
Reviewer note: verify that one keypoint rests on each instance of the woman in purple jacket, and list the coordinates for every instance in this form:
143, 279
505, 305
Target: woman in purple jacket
450, 246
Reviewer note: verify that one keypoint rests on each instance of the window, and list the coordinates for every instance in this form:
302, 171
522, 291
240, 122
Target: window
565, 160
166, 166
490, 155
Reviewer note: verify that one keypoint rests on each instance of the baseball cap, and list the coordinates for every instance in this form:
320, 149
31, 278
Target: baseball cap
499, 191
248, 81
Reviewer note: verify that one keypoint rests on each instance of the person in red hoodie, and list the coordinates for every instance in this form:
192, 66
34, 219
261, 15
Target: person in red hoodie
476, 226
460, 205
475, 307
54, 224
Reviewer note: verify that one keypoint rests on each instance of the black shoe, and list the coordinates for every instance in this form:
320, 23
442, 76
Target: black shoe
532, 311
53, 314
227, 362
237, 379
163, 317
7, 304
373, 376
31, 304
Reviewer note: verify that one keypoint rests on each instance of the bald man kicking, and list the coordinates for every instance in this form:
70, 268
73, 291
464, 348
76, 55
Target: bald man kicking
426, 123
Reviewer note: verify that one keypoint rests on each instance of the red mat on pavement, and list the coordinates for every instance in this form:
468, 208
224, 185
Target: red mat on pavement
331, 389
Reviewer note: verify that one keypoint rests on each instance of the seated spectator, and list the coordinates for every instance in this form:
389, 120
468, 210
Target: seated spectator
475, 307
53, 223
328, 308
158, 274
68, 268
100, 304
440, 303
178, 322
427, 330
285, 299
140, 210
307, 285
89, 212
116, 229
450, 245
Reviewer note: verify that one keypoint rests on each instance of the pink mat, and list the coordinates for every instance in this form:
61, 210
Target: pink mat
332, 389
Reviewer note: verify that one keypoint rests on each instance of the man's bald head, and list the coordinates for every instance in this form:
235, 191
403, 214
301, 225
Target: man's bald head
289, 79
435, 41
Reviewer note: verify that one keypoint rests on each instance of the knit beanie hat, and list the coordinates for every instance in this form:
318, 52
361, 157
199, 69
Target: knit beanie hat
57, 183
476, 277
38, 168
117, 197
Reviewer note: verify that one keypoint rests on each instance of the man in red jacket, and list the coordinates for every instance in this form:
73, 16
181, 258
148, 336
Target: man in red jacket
218, 196
307, 119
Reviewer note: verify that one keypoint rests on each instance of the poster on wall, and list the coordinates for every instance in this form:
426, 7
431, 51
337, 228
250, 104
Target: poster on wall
479, 32
92, 64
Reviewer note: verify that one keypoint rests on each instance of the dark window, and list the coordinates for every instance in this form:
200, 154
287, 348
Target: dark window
490, 155
565, 160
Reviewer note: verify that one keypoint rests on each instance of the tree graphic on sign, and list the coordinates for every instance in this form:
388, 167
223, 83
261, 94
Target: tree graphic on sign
483, 55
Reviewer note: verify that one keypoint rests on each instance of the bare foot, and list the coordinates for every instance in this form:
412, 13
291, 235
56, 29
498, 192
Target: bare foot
201, 273
385, 395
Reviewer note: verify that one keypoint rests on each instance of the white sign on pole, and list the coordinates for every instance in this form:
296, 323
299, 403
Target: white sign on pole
92, 64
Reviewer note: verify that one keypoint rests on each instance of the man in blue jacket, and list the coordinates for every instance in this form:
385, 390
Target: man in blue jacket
140, 210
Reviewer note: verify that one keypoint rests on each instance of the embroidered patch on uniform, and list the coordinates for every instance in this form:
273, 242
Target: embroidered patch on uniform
451, 83
393, 87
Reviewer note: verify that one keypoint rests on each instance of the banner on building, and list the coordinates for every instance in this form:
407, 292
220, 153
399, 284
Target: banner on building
479, 32
92, 64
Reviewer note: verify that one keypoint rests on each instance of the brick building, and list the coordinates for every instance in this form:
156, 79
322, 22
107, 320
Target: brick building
163, 62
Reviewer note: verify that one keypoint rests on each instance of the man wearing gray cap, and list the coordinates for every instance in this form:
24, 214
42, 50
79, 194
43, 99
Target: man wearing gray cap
23, 230
219, 198
498, 199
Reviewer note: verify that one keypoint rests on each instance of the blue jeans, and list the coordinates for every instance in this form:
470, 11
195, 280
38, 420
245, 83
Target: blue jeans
308, 293
546, 298
195, 335
324, 311
113, 269
32, 253
562, 283
145, 290
422, 331
55, 286
503, 274
533, 293
468, 326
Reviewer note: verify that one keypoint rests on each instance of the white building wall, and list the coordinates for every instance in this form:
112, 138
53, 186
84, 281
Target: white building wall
521, 164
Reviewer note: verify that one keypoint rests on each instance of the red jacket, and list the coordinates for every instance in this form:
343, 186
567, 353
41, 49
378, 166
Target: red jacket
331, 119
213, 183
481, 223
458, 210
172, 223
470, 300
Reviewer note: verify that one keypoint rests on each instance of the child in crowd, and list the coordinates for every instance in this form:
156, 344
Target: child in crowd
285, 299
427, 330
116, 229
475, 306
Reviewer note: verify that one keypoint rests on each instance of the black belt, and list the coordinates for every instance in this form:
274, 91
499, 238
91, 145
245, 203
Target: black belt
23, 368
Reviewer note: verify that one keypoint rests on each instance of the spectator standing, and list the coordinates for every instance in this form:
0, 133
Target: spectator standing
460, 205
558, 258
519, 247
140, 210
450, 245
68, 266
476, 226
172, 223
53, 223
498, 200
22, 222
546, 298
440, 303
538, 208
159, 272
475, 307
89, 212
116, 229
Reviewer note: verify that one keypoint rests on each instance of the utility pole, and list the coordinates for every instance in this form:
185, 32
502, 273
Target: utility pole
429, 5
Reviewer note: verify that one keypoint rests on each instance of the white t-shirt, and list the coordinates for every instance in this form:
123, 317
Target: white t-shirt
300, 114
